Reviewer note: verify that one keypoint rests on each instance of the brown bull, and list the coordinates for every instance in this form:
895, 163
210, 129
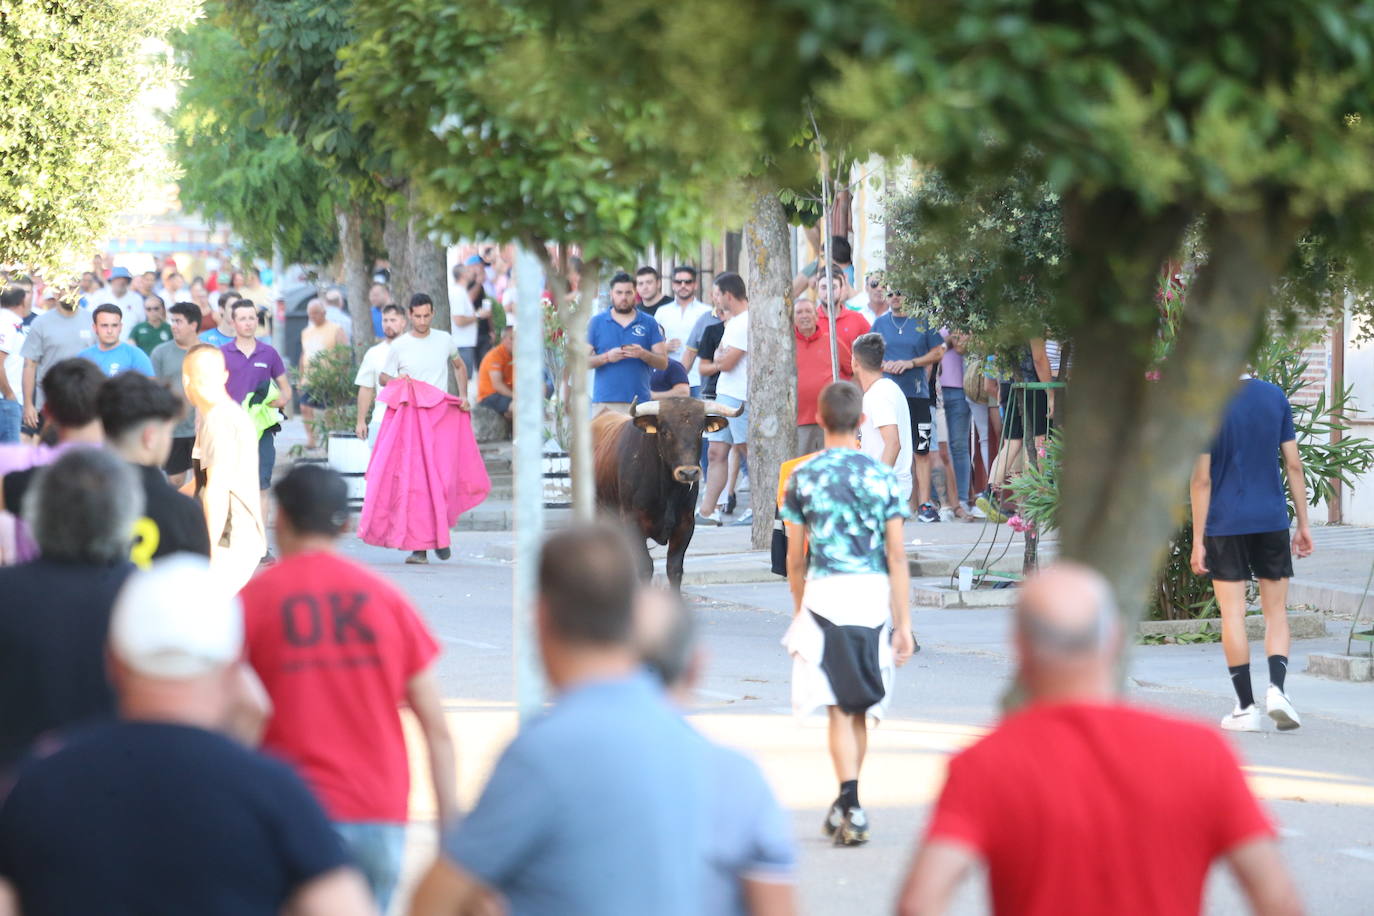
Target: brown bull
647, 472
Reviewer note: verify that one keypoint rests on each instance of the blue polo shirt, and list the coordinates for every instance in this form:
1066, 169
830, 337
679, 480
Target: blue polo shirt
627, 380
119, 359
1247, 488
908, 338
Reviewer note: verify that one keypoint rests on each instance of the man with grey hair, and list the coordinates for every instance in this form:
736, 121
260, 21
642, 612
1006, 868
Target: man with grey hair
1064, 803
56, 609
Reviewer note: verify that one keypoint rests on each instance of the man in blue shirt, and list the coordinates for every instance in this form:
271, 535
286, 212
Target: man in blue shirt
911, 347
1240, 531
626, 343
599, 806
109, 353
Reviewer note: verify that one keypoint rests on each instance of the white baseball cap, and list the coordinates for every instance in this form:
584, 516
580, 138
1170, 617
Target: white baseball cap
172, 621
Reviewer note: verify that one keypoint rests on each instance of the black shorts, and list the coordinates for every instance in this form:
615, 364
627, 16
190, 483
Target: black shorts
1039, 411
1239, 557
179, 458
496, 401
920, 411
308, 400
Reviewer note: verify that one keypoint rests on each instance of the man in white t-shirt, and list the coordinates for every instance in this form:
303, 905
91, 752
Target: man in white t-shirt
885, 433
14, 307
732, 390
130, 301
424, 354
374, 361
466, 317
679, 317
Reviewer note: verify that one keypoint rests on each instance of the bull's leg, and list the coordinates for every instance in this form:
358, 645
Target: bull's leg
677, 548
646, 562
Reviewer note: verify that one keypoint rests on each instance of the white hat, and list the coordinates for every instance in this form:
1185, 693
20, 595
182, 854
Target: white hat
171, 621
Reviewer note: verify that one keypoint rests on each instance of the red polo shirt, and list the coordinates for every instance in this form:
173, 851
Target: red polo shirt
813, 361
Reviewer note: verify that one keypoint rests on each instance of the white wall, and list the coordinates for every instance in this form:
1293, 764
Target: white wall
1357, 502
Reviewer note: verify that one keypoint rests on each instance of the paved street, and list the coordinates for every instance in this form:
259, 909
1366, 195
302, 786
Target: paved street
1318, 782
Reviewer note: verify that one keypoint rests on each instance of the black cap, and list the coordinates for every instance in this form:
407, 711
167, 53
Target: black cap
314, 498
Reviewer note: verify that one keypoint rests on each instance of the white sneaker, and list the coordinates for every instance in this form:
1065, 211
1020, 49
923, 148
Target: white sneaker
1243, 720
976, 512
946, 514
1280, 710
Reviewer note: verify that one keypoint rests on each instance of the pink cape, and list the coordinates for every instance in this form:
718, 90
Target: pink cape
425, 470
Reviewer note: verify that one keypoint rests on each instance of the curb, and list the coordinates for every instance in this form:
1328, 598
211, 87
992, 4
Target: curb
1341, 667
1325, 596
1302, 625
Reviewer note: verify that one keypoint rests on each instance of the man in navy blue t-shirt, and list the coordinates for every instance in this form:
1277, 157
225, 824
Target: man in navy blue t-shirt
1240, 531
626, 343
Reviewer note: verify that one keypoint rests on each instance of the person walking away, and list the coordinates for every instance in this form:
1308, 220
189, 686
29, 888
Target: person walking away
138, 414
14, 308
885, 432
153, 330
625, 344
254, 366
118, 292
167, 359
370, 409
535, 842
56, 609
813, 371
912, 347
679, 318
428, 356
317, 336
1063, 802
112, 355
339, 649
732, 389
159, 811
1240, 530
55, 335
751, 857
496, 377
847, 571
227, 450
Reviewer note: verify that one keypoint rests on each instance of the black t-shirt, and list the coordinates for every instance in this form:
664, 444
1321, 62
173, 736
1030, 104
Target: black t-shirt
654, 307
710, 340
54, 618
145, 818
179, 519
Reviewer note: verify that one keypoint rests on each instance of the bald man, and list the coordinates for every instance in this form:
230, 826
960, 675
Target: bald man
1080, 803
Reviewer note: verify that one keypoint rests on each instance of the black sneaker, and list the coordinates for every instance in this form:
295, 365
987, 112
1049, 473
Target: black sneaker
443, 553
730, 505
833, 819
417, 558
853, 830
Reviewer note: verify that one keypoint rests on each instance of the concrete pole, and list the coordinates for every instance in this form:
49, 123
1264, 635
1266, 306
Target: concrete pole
528, 443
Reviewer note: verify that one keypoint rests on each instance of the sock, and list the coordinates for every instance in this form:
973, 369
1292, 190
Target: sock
849, 794
1240, 679
1278, 670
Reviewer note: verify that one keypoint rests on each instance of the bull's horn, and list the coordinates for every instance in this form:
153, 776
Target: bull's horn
646, 409
720, 410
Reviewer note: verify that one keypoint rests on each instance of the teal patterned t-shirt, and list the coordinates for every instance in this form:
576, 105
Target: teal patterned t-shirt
845, 499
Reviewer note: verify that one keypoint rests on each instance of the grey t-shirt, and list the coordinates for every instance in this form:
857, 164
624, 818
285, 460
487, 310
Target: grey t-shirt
54, 337
598, 809
167, 359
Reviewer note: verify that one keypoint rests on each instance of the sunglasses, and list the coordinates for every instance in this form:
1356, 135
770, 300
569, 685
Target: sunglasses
683, 282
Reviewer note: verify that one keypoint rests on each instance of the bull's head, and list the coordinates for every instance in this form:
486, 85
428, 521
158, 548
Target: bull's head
678, 425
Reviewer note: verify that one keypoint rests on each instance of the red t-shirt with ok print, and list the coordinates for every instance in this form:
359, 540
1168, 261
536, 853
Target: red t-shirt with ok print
336, 646
1088, 809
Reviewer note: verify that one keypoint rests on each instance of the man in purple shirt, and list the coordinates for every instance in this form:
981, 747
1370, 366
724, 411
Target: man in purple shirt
253, 365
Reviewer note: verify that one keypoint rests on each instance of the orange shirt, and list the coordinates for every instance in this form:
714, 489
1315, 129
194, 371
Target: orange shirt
498, 359
785, 473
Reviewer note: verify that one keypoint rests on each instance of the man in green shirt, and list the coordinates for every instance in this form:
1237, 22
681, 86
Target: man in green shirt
146, 335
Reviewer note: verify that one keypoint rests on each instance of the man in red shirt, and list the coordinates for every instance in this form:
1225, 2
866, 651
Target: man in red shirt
1080, 803
849, 325
814, 371
338, 649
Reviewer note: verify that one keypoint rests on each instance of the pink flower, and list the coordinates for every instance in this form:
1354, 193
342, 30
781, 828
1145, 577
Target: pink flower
1152, 375
1019, 524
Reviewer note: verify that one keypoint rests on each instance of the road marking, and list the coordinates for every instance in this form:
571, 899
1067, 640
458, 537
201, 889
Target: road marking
1355, 853
470, 643
715, 694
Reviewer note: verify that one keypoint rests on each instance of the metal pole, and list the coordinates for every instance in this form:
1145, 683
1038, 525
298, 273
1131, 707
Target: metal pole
528, 446
833, 310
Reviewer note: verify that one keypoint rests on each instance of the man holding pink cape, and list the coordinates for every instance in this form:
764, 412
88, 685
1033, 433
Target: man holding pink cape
426, 469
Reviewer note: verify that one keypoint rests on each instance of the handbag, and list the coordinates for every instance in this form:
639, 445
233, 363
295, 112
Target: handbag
779, 550
973, 380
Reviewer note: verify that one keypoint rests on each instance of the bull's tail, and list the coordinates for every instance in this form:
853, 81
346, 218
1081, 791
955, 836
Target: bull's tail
606, 430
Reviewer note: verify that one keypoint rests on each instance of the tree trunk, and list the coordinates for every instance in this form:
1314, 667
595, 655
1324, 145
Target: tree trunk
396, 238
355, 274
427, 265
1129, 442
766, 256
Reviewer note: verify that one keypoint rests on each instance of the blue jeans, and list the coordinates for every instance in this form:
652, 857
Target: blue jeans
11, 414
378, 849
957, 419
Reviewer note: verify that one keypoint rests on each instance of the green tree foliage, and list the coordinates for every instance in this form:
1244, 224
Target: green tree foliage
72, 153
268, 189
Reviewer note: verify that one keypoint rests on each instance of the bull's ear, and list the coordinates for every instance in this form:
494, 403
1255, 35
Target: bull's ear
647, 425
715, 424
